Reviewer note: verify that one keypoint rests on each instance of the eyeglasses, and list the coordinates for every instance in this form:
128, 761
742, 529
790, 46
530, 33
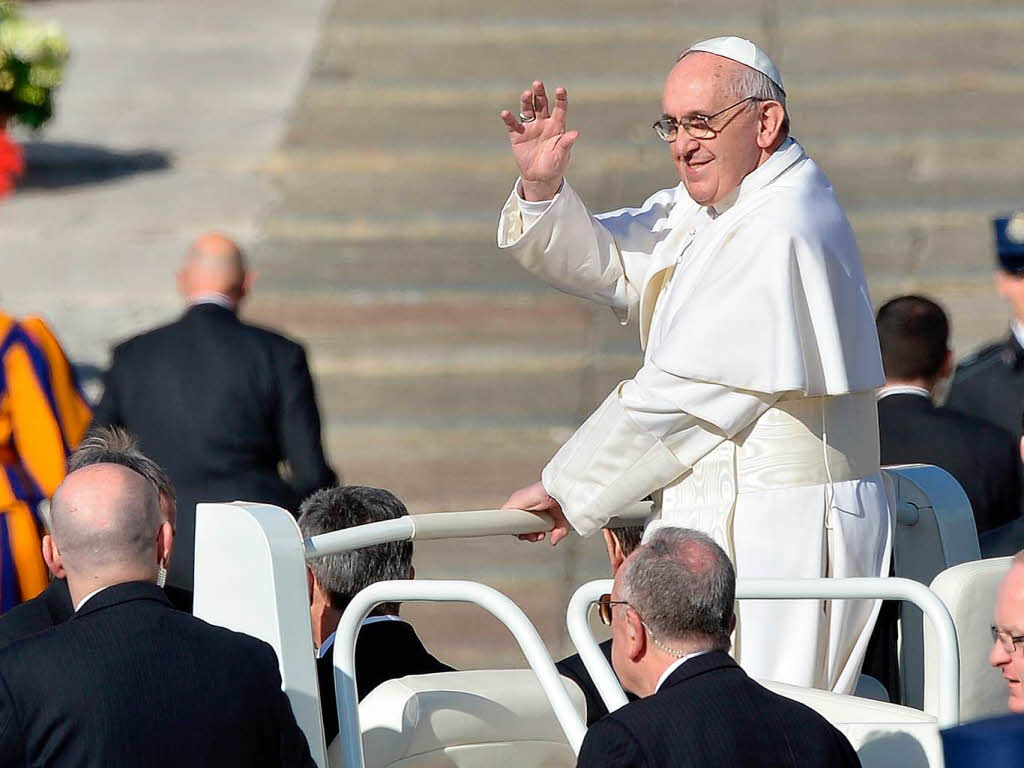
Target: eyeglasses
1010, 643
697, 126
604, 608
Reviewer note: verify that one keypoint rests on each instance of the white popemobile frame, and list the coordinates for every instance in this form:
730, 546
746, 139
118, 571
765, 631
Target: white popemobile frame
948, 714
491, 600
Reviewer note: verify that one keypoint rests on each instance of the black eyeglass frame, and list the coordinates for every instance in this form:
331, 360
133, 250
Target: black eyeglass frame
667, 128
1016, 641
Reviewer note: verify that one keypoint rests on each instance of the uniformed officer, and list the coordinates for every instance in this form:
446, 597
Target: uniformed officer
990, 383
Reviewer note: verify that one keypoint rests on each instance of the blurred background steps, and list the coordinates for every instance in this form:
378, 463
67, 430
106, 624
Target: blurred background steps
449, 375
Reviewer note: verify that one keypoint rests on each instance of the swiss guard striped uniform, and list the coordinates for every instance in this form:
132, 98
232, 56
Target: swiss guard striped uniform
43, 417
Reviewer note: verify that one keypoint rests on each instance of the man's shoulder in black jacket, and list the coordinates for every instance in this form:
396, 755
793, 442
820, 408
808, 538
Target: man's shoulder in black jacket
708, 712
129, 680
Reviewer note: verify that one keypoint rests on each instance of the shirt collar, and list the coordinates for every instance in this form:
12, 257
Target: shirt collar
212, 298
779, 161
1018, 331
676, 665
902, 389
85, 599
325, 646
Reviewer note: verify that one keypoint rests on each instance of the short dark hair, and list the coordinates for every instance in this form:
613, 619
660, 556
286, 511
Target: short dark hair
629, 538
114, 445
683, 586
913, 333
342, 575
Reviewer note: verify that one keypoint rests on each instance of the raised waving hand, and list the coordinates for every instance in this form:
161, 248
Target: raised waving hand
539, 140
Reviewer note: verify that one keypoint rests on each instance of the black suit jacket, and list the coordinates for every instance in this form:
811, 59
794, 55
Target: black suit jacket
130, 681
574, 668
982, 457
709, 713
219, 404
385, 650
53, 606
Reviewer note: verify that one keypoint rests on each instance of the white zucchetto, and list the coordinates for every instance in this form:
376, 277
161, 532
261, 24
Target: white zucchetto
743, 51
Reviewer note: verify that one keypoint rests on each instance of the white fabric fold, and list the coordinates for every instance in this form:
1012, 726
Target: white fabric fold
610, 463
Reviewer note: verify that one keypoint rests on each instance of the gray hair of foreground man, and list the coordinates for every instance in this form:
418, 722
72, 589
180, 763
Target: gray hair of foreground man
106, 520
114, 445
341, 576
683, 586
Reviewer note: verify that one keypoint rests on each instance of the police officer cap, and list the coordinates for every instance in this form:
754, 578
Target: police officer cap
1010, 242
998, 741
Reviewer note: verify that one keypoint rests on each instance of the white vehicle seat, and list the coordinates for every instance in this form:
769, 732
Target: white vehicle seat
969, 592
472, 719
884, 735
934, 531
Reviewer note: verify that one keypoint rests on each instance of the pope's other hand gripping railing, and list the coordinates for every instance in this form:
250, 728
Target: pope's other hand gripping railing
948, 714
489, 599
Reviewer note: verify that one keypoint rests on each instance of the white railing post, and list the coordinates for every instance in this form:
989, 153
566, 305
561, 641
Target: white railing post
500, 606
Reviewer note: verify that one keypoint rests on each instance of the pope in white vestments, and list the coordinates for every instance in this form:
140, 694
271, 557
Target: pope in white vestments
753, 416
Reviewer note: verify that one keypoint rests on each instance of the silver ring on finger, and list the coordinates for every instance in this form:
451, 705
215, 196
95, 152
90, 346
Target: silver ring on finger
526, 119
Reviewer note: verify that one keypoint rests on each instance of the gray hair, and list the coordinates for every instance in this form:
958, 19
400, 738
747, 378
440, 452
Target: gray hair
750, 83
114, 445
342, 575
683, 586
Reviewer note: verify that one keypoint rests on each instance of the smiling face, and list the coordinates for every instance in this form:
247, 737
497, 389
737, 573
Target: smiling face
703, 84
1010, 618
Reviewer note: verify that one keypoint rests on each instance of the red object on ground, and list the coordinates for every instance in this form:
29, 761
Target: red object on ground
12, 164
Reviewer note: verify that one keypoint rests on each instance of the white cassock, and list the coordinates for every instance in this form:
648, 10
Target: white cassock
753, 417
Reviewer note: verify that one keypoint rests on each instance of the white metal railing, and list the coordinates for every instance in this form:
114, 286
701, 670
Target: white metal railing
948, 714
491, 600
450, 525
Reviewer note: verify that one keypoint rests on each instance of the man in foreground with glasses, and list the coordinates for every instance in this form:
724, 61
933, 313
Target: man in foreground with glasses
671, 613
753, 417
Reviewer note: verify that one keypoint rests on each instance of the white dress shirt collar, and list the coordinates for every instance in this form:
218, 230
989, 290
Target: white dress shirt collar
676, 665
325, 646
85, 599
902, 389
1018, 331
212, 298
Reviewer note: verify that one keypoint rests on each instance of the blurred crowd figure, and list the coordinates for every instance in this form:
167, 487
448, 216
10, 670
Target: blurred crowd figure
43, 417
913, 333
225, 407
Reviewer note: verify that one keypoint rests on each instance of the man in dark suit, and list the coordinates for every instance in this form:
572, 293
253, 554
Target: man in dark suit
913, 333
621, 543
129, 680
671, 612
220, 404
105, 445
989, 384
387, 647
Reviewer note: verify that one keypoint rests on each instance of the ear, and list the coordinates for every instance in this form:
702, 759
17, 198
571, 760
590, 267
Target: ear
412, 572
636, 636
770, 123
248, 283
947, 365
309, 582
164, 544
52, 558
182, 282
615, 554
1022, 449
